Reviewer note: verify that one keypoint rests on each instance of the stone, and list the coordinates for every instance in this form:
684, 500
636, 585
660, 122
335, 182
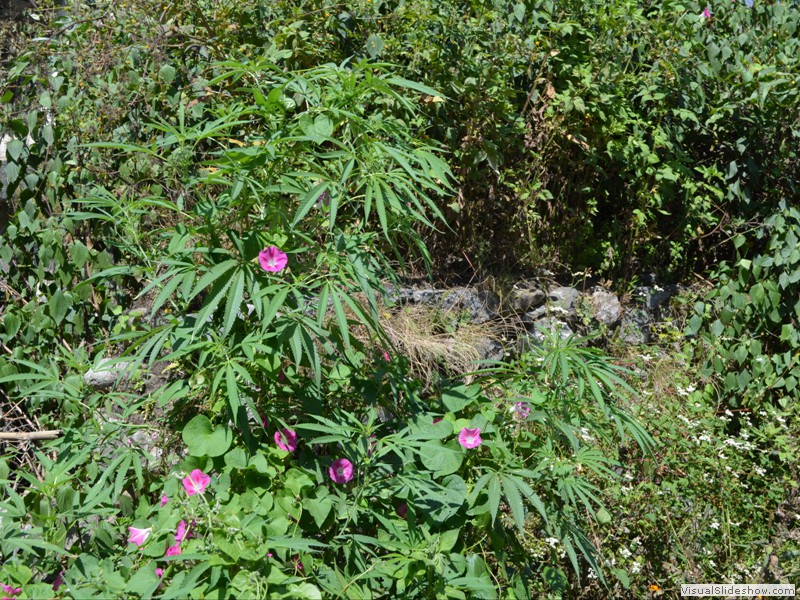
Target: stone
538, 332
564, 299
108, 371
481, 305
522, 300
606, 307
635, 326
489, 349
655, 297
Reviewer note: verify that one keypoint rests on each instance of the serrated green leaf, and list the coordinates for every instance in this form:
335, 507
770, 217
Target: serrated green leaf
308, 200
234, 302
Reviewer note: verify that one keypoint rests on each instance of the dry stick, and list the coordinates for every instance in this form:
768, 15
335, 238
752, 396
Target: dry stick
30, 435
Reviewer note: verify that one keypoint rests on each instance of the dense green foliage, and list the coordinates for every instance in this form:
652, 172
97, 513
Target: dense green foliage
157, 150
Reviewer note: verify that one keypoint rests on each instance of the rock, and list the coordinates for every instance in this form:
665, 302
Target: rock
150, 443
489, 349
108, 371
606, 307
482, 306
538, 333
522, 300
564, 298
425, 296
655, 297
635, 326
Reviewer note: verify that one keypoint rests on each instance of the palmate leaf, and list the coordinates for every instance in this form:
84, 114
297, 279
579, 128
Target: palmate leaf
308, 200
233, 302
232, 387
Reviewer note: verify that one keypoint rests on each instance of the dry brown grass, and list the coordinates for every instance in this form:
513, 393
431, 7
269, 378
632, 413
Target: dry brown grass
416, 332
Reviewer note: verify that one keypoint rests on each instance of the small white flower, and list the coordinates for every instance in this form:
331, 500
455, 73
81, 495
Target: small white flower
625, 553
760, 471
591, 574
636, 567
553, 542
714, 525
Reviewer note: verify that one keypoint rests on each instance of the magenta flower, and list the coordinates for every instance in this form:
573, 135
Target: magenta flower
521, 410
58, 581
706, 13
286, 440
341, 470
173, 550
196, 482
11, 591
180, 533
139, 536
402, 510
386, 356
470, 438
272, 259
164, 500
159, 572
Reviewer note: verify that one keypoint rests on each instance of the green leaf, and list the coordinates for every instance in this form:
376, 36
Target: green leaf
203, 439
412, 85
441, 459
14, 150
59, 304
233, 303
167, 74
78, 253
514, 499
374, 46
308, 200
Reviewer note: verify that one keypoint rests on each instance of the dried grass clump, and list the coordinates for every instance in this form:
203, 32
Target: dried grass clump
416, 332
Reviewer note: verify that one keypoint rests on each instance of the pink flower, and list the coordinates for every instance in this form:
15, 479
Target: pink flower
286, 440
196, 482
173, 550
402, 510
341, 470
139, 536
706, 13
272, 259
12, 591
58, 581
521, 410
159, 572
386, 356
164, 500
297, 564
180, 534
470, 438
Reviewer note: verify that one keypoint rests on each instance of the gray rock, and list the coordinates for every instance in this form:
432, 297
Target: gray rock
565, 298
106, 374
523, 299
534, 315
550, 325
489, 349
635, 326
481, 305
150, 443
654, 297
426, 296
606, 307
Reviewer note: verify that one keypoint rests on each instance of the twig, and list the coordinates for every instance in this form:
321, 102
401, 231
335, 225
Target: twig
30, 435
